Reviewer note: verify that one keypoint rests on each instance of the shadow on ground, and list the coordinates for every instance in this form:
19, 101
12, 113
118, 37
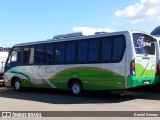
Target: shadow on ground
64, 97
146, 92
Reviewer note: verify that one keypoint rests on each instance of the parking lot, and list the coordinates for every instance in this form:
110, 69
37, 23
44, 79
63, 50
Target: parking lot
55, 100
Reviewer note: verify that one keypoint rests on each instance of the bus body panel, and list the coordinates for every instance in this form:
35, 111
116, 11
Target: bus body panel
93, 77
96, 76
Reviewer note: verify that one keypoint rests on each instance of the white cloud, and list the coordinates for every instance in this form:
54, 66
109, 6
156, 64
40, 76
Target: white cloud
143, 10
91, 31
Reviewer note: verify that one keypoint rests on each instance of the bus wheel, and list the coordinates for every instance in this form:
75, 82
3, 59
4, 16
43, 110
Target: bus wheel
17, 85
76, 88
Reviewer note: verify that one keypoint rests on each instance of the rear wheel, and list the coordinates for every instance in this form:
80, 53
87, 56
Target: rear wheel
17, 85
76, 88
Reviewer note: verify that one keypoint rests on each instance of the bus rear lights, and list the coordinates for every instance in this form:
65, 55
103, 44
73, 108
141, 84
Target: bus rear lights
146, 82
1, 80
132, 67
157, 69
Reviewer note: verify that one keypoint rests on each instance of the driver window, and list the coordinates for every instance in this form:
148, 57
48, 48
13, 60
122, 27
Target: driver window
15, 56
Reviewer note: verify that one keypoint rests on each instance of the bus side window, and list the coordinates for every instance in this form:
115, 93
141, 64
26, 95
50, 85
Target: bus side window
26, 54
60, 53
93, 55
70, 52
82, 51
49, 54
107, 49
15, 58
118, 48
39, 54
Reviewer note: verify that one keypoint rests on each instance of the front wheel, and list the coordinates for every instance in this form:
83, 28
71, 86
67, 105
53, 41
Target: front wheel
76, 88
17, 85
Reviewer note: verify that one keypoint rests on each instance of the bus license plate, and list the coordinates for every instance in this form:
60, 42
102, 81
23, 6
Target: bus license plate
146, 82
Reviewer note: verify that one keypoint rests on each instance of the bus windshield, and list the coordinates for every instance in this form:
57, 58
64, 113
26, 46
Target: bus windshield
144, 44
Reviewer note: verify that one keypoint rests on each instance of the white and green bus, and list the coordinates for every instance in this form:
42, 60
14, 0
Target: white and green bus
103, 61
157, 45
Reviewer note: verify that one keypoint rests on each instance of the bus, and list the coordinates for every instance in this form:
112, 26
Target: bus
157, 45
76, 62
3, 57
156, 34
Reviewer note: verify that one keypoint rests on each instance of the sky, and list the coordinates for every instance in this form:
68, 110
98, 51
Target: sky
35, 20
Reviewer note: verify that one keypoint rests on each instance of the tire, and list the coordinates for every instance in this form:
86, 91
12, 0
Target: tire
17, 85
76, 88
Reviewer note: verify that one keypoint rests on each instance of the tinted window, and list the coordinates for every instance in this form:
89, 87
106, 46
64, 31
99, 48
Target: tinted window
26, 54
14, 58
49, 54
118, 48
82, 51
143, 44
39, 54
60, 52
93, 50
70, 52
106, 49
16, 55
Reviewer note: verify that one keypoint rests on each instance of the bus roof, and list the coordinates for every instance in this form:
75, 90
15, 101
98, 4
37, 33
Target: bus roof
77, 36
7, 49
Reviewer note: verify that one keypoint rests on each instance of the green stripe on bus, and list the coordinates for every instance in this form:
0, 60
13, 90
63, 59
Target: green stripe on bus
142, 73
91, 78
21, 74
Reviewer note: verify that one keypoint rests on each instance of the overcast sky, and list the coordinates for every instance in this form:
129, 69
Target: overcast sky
34, 20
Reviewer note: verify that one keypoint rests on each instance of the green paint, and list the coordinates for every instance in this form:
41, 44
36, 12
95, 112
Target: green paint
21, 74
142, 73
91, 78
94, 78
133, 81
157, 80
27, 83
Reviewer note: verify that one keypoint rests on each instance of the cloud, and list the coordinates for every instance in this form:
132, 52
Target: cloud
91, 31
144, 10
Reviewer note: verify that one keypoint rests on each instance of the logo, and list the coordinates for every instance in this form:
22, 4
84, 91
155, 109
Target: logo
6, 114
141, 42
21, 114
